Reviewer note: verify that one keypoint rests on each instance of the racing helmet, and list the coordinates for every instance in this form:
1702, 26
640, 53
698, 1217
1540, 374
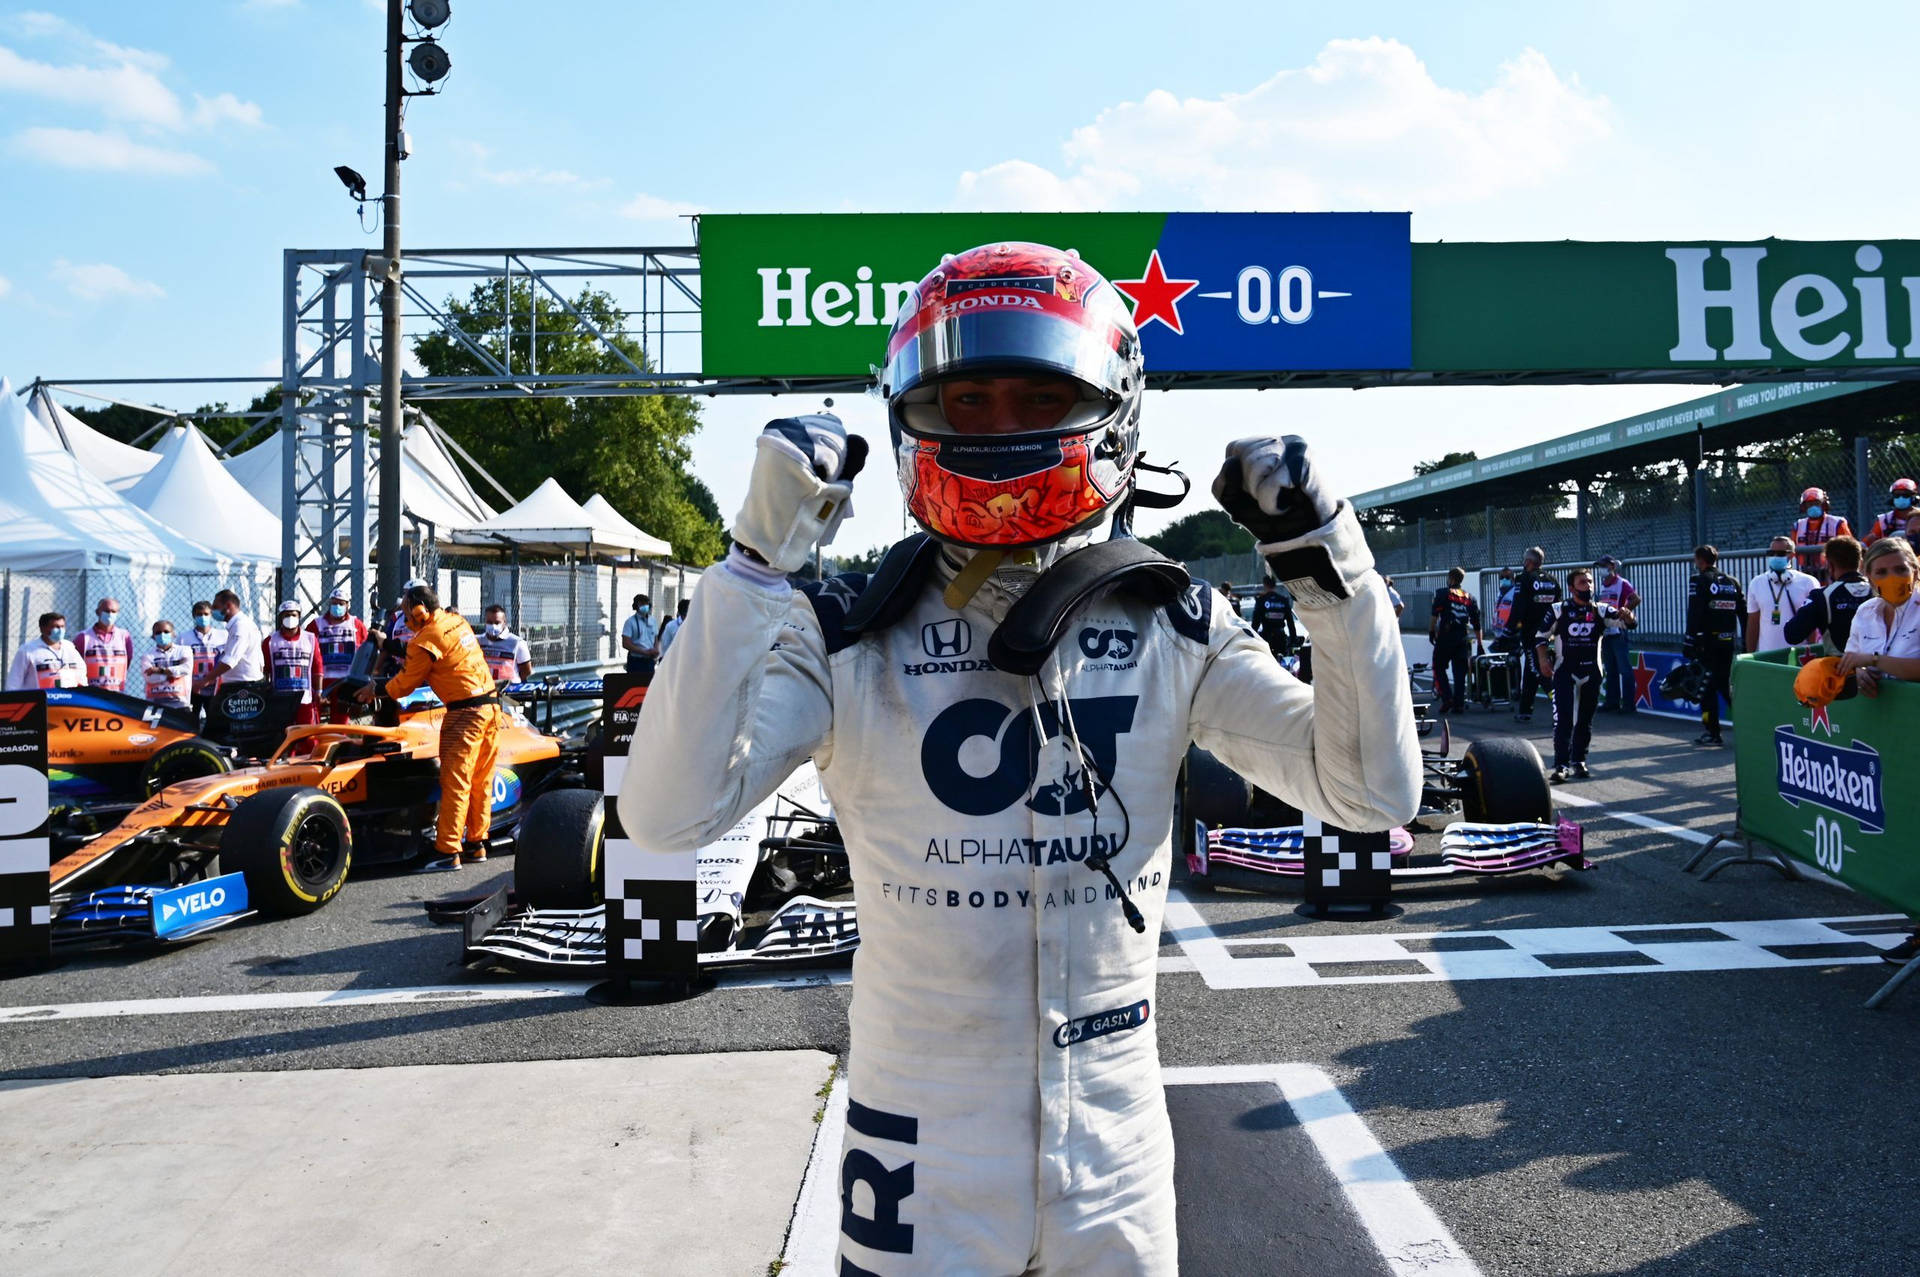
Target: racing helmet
1814, 496
1686, 681
1014, 309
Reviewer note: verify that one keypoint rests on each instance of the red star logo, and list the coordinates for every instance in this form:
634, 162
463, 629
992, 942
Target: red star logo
1642, 681
1818, 719
1155, 296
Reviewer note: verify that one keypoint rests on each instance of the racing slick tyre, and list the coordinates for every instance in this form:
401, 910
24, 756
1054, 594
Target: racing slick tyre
294, 845
557, 864
187, 759
1504, 782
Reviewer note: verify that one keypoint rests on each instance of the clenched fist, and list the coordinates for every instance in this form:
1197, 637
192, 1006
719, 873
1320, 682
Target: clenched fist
1270, 488
801, 489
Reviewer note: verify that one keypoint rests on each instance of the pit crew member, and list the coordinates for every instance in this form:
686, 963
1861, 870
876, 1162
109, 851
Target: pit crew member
1617, 674
1568, 652
506, 652
444, 655
1715, 605
292, 657
166, 671
1830, 610
1893, 522
339, 633
107, 648
48, 661
1006, 1108
1534, 594
1454, 627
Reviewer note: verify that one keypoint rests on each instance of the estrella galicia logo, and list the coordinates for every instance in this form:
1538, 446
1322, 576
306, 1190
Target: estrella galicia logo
1098, 1026
946, 639
1108, 645
244, 706
1100, 721
1841, 779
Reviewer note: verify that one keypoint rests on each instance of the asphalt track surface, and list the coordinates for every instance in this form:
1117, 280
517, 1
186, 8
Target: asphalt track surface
1635, 1118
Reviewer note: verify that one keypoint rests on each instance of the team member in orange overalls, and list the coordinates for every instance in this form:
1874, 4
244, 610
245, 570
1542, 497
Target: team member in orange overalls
444, 655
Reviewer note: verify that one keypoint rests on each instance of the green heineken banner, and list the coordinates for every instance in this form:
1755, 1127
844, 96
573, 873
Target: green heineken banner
812, 295
1813, 783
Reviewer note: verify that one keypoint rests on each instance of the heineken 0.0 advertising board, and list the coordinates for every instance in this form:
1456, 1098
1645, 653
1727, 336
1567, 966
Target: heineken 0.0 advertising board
814, 295
1814, 782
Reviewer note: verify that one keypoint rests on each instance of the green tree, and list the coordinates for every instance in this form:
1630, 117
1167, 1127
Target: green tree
1201, 536
1447, 462
633, 449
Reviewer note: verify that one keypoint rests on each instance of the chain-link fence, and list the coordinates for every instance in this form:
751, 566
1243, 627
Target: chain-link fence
569, 615
144, 595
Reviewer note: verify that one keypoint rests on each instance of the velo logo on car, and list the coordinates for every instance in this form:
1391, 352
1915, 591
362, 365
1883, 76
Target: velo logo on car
1840, 779
178, 908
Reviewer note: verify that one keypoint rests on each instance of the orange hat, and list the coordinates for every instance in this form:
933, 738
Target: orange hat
1819, 682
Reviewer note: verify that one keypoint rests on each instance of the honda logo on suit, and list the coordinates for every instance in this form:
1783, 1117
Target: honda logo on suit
946, 638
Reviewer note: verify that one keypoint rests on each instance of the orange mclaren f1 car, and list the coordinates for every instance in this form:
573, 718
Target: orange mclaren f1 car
282, 834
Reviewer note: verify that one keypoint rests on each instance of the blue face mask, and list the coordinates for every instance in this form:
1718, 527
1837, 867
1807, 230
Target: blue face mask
1903, 503
645, 610
1814, 512
202, 621
336, 610
106, 618
163, 640
1777, 562
58, 634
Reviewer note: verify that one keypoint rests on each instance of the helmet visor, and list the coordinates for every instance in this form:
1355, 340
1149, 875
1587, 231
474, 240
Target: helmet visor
995, 342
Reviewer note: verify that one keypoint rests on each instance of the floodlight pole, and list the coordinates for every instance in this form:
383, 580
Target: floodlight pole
391, 355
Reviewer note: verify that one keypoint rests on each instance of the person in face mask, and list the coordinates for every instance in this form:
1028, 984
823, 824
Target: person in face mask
240, 656
340, 634
1885, 642
107, 648
167, 670
1893, 521
1568, 651
203, 639
506, 652
398, 631
1715, 605
1774, 596
1617, 673
293, 661
1816, 526
49, 661
640, 639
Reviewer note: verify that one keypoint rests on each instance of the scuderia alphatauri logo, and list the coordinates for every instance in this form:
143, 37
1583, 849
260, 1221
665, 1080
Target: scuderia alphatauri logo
971, 733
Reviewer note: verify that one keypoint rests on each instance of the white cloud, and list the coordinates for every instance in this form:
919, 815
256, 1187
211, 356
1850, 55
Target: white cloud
531, 176
1364, 126
124, 91
106, 152
99, 280
224, 108
653, 208
6, 285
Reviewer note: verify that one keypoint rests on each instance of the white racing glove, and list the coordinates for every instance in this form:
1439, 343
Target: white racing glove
801, 489
1311, 541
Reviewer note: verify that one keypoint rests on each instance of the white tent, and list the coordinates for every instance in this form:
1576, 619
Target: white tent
189, 490
602, 509
117, 464
432, 489
549, 519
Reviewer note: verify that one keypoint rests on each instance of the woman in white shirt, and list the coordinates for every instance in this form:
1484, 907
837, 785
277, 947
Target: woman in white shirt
1886, 631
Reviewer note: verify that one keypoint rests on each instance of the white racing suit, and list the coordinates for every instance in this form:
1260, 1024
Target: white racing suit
1006, 1112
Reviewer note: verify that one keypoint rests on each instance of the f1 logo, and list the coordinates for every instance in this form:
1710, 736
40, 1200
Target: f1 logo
631, 698
15, 712
946, 638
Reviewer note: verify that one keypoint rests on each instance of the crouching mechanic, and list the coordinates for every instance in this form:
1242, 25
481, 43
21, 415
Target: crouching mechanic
999, 714
443, 654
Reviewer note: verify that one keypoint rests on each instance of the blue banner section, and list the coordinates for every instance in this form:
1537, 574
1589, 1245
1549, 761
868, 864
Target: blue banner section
178, 908
1841, 779
1241, 292
1648, 670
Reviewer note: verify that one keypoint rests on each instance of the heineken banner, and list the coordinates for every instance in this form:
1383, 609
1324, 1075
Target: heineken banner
812, 295
1812, 782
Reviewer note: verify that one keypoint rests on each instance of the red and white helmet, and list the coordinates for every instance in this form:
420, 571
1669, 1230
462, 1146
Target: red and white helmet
1010, 310
1904, 487
1814, 496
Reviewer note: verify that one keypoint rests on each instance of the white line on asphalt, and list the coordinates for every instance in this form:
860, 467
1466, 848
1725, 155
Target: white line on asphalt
1632, 817
311, 998
1409, 1236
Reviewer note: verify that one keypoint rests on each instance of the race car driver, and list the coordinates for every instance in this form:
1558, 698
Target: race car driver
1007, 807
443, 654
1568, 652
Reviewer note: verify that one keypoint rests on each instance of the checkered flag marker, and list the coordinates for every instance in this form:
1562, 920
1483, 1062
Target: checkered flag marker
652, 900
1344, 868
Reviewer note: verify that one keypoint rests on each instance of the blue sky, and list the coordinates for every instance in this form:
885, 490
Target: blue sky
160, 156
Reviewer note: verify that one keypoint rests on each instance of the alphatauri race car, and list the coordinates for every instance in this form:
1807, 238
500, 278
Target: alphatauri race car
774, 890
280, 836
1234, 832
